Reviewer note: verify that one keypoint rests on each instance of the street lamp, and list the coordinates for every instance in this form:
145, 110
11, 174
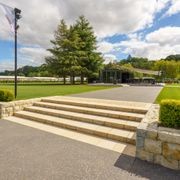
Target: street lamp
17, 17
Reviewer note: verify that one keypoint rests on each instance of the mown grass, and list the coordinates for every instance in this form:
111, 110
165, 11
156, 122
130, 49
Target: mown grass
169, 93
27, 91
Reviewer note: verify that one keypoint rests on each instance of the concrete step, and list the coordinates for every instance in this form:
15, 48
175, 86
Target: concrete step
84, 127
117, 146
105, 121
92, 111
141, 108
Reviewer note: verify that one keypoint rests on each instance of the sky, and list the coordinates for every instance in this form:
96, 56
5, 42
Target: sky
142, 28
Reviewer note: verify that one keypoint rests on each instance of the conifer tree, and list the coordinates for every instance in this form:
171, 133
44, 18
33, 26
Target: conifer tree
88, 57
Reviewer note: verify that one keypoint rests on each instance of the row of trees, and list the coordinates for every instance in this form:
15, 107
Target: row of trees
168, 69
138, 62
29, 71
74, 51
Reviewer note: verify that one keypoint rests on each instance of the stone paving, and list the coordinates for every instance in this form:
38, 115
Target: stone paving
146, 94
28, 153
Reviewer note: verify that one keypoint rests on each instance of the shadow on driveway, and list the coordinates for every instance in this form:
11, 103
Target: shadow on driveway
144, 169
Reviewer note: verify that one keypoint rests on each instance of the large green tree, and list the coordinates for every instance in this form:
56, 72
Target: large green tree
63, 61
88, 57
74, 51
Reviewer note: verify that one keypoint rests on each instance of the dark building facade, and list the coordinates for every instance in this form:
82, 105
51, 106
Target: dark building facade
114, 76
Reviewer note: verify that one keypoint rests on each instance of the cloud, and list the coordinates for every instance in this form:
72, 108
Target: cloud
156, 45
174, 8
167, 35
6, 65
109, 58
32, 56
40, 18
110, 17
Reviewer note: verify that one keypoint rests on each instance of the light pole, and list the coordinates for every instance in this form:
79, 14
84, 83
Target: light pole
16, 26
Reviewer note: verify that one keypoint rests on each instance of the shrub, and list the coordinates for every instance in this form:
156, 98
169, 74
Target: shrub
6, 95
170, 113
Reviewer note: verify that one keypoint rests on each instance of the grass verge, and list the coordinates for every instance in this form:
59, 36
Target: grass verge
35, 91
168, 93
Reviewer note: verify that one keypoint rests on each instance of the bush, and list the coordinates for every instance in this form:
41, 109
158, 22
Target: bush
6, 95
170, 113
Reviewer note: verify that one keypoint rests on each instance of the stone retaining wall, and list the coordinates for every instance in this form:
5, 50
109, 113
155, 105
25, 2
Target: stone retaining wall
8, 108
157, 144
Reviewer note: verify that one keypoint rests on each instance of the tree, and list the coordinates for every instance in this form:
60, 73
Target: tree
74, 51
168, 69
175, 57
63, 57
88, 57
138, 62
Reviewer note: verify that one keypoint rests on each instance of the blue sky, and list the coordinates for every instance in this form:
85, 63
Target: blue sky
141, 28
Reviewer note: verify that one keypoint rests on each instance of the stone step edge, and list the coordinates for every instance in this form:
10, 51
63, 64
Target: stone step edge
98, 106
85, 130
101, 142
106, 123
79, 115
121, 115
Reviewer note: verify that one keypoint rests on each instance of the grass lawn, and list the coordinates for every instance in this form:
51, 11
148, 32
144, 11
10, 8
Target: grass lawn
178, 85
169, 93
27, 91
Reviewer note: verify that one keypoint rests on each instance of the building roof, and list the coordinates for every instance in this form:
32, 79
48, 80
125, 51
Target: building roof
144, 71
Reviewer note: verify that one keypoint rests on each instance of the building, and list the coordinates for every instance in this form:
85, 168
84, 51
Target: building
115, 76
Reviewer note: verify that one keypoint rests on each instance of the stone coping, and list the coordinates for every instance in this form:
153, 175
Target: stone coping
157, 144
8, 108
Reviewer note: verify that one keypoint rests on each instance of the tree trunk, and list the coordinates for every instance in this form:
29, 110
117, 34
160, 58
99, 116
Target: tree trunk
64, 80
82, 79
73, 79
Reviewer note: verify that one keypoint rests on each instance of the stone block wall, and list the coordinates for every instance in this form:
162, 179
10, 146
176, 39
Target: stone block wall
157, 144
8, 108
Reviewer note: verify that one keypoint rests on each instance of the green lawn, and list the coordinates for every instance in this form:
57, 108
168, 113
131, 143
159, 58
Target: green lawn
168, 93
27, 91
178, 85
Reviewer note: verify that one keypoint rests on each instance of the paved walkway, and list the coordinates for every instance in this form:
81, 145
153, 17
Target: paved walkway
131, 93
30, 154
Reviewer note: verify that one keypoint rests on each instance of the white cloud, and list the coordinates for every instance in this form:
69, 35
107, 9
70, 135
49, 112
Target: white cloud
6, 65
108, 17
109, 58
157, 44
163, 36
40, 18
107, 47
174, 8
32, 56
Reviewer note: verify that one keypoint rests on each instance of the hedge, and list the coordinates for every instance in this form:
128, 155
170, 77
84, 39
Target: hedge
6, 95
170, 113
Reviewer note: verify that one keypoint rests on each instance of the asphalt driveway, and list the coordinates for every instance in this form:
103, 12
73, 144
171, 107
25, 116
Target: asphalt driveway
31, 154
146, 94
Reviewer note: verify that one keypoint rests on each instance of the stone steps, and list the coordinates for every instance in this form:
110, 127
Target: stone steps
84, 127
92, 111
100, 104
99, 120
112, 120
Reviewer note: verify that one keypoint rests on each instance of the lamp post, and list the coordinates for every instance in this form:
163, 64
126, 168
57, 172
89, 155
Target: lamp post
17, 17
